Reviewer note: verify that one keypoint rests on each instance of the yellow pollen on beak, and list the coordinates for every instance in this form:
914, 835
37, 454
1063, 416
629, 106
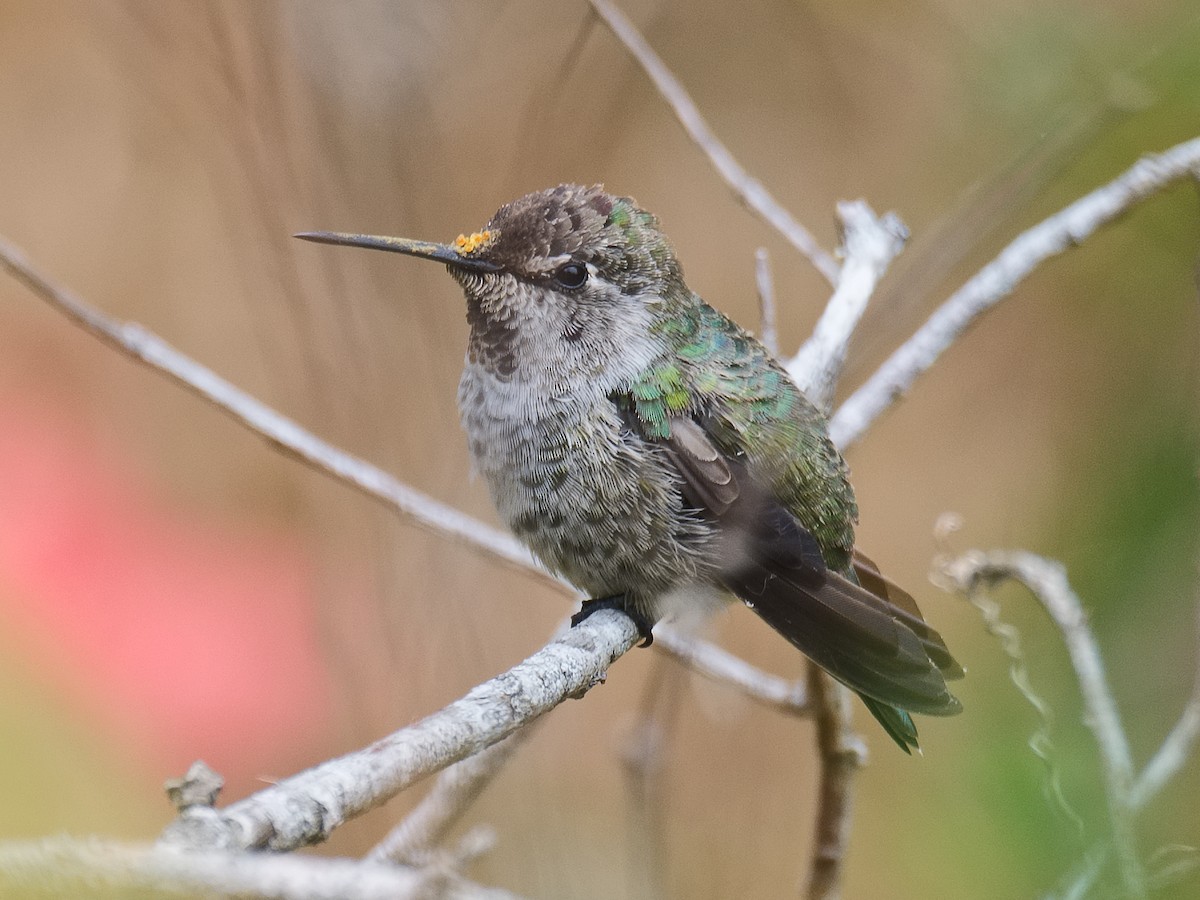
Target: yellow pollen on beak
467, 244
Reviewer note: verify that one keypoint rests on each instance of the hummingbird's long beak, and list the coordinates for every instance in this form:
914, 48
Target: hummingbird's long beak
443, 253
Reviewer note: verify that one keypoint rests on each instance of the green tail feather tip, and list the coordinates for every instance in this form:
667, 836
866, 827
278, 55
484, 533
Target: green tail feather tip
896, 722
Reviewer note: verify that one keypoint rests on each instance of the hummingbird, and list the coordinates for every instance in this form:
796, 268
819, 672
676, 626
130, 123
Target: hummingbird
652, 452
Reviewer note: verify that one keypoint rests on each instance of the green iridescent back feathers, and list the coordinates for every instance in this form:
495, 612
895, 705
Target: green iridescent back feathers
721, 373
753, 410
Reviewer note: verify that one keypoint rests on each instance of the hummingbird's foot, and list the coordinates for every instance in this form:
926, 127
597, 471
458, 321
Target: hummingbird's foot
619, 603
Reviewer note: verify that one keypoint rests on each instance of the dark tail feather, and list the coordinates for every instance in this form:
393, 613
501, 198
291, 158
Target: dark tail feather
869, 576
882, 650
848, 635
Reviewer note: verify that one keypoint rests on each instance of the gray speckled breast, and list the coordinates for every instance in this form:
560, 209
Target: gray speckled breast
592, 500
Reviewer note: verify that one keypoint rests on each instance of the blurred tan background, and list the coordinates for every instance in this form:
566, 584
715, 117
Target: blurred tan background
172, 588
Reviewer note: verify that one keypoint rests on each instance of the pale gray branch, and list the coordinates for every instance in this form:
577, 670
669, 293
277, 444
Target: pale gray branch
451, 796
1047, 581
998, 278
711, 661
1041, 742
306, 808
461, 784
66, 867
751, 192
869, 244
768, 314
1177, 746
134, 340
1170, 757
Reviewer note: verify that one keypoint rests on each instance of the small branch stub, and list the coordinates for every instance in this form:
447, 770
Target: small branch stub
199, 787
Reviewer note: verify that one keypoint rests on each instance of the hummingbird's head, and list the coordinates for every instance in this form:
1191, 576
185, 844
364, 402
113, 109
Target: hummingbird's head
576, 239
565, 277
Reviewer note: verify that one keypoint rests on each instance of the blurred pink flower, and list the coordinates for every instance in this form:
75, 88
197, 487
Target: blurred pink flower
184, 637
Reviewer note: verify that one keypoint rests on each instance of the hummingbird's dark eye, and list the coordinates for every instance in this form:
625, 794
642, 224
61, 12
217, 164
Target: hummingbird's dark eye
571, 275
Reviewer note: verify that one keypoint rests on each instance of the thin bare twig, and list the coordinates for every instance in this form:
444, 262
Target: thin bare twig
643, 752
768, 314
998, 278
70, 866
869, 244
1041, 742
842, 754
709, 660
1170, 757
1047, 581
452, 794
136, 341
307, 807
751, 192
1177, 746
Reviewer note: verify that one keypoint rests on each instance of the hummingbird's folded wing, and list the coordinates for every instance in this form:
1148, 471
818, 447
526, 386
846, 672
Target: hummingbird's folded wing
878, 647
